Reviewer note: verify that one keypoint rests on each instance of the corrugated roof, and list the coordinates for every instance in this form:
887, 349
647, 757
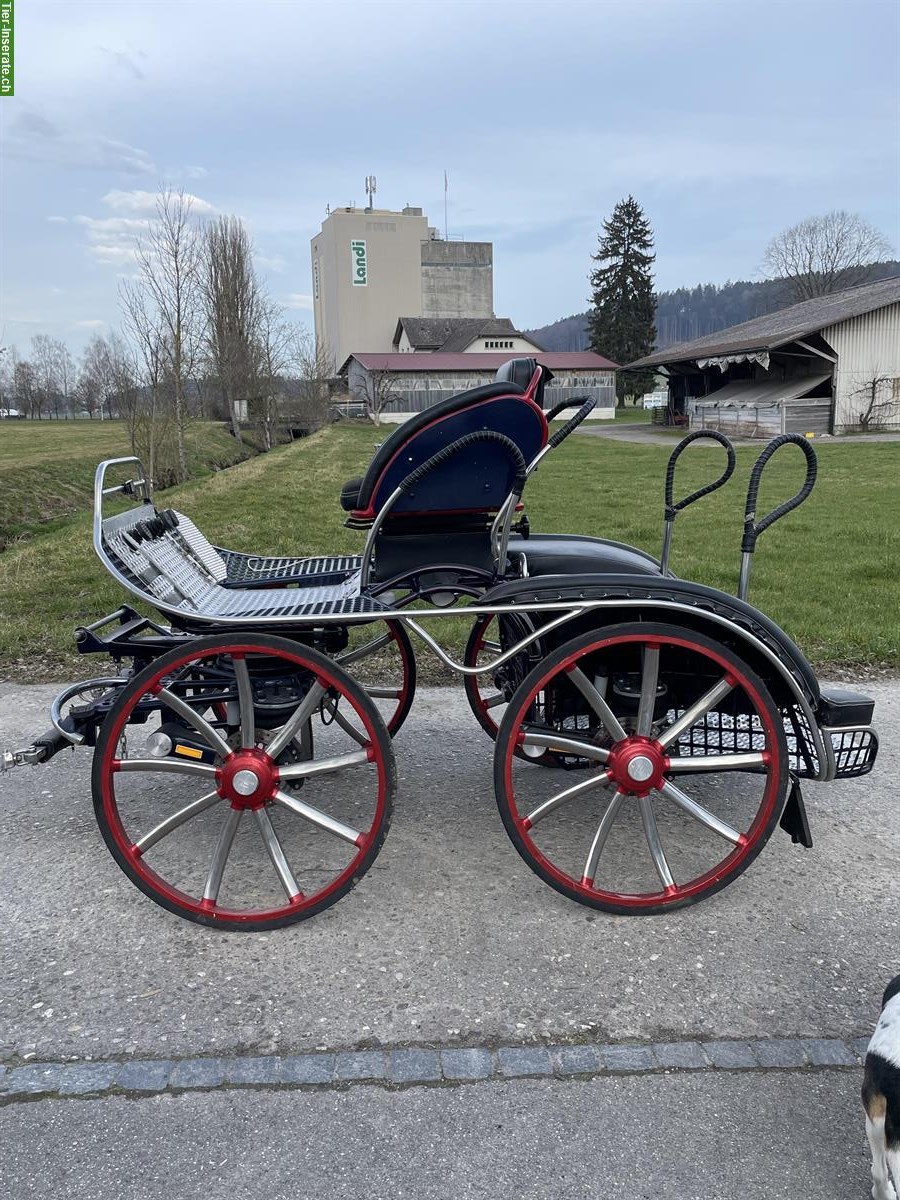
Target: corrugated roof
584, 360
765, 392
786, 325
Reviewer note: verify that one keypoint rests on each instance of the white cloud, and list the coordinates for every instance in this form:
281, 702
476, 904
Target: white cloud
272, 262
137, 201
32, 136
299, 300
90, 324
195, 172
112, 240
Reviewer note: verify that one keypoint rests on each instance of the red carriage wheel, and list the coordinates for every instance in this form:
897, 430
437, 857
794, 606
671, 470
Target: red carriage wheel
245, 823
679, 761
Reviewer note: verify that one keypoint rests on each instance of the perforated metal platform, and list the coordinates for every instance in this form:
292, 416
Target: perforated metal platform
182, 571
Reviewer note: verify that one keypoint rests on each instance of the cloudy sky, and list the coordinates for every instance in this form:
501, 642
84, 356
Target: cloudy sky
727, 120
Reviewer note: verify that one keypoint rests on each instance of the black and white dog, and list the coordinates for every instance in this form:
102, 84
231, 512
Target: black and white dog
881, 1095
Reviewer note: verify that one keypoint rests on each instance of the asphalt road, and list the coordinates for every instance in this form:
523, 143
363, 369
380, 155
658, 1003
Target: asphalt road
720, 1137
448, 939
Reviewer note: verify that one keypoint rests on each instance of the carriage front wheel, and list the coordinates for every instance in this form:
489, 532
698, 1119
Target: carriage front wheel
227, 792
678, 768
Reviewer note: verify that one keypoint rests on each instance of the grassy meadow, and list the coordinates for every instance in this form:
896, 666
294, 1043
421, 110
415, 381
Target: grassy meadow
829, 573
47, 467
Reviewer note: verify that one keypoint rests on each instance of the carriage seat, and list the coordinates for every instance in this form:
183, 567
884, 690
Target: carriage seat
511, 406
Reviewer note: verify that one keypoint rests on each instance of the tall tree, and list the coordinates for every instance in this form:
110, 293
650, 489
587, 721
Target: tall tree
824, 254
234, 309
621, 320
169, 265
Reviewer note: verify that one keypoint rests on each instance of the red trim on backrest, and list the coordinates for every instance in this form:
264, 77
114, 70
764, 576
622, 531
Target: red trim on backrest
526, 398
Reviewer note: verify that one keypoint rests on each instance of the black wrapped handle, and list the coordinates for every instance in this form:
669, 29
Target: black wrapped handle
463, 443
561, 434
673, 509
752, 527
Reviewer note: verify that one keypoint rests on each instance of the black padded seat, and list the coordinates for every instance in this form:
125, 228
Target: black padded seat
571, 554
402, 433
350, 493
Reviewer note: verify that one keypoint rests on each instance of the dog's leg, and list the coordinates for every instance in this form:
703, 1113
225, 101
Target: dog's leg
882, 1189
893, 1161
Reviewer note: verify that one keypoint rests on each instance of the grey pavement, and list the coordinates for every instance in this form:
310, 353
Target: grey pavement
449, 938
682, 1137
449, 941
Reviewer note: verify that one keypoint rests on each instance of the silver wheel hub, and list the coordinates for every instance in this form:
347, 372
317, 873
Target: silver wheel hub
245, 782
640, 769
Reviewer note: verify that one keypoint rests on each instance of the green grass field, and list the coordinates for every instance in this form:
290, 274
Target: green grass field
827, 573
47, 467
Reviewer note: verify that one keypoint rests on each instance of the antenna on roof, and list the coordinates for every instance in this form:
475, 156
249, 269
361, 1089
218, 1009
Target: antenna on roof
446, 190
370, 191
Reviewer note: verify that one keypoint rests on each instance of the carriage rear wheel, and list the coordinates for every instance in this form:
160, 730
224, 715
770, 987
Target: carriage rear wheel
228, 794
678, 762
385, 664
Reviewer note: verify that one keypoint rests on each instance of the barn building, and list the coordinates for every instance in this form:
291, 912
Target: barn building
827, 365
401, 384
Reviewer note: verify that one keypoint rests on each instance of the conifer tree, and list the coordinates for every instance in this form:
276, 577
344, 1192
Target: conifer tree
621, 321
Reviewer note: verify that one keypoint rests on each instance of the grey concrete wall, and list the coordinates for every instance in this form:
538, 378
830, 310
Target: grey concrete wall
457, 279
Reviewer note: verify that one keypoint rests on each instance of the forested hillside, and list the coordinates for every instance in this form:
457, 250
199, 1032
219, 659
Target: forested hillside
689, 313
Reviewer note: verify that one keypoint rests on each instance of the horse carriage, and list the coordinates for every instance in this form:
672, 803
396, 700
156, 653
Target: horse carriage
649, 732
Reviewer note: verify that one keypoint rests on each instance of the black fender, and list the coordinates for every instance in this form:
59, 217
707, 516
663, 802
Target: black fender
759, 641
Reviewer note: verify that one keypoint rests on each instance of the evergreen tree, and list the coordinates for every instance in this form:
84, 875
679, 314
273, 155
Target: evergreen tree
621, 321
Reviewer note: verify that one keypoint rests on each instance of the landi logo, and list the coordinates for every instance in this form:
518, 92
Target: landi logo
358, 260
7, 76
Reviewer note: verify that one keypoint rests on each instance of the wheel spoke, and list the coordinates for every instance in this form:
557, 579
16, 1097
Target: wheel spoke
490, 644
184, 814
331, 707
169, 766
699, 813
384, 693
597, 703
493, 701
325, 766
203, 727
693, 714
606, 822
291, 727
699, 764
651, 832
649, 681
245, 700
554, 802
276, 854
319, 819
567, 745
352, 656
220, 856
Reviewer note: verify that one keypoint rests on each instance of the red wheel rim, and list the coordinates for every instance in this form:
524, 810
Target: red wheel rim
681, 893
160, 888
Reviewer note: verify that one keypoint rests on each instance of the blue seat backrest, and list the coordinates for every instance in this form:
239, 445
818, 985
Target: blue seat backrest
476, 480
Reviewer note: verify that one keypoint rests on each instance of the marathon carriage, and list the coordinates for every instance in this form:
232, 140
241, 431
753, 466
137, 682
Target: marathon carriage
650, 732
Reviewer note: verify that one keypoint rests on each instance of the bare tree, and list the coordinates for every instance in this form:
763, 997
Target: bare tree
24, 385
169, 262
377, 391
234, 309
274, 337
877, 401
44, 360
96, 385
151, 425
65, 373
312, 368
824, 254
